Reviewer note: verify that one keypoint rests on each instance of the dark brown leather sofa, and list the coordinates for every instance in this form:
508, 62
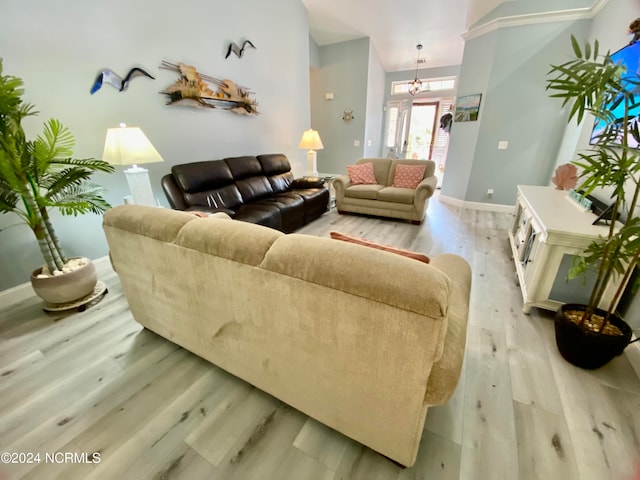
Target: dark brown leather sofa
258, 190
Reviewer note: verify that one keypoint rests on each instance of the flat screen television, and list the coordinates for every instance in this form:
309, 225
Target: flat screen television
628, 56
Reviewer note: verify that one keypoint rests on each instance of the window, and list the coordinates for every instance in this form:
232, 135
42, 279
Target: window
392, 126
428, 85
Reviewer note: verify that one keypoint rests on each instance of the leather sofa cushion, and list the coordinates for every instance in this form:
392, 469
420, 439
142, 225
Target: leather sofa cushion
315, 201
266, 215
291, 207
199, 176
397, 195
281, 182
274, 163
254, 188
288, 204
225, 197
243, 167
308, 182
369, 192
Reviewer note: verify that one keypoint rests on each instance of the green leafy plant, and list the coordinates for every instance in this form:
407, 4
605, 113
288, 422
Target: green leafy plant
38, 175
592, 83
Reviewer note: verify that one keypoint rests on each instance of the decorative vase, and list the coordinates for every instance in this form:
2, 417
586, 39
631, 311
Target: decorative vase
65, 288
585, 348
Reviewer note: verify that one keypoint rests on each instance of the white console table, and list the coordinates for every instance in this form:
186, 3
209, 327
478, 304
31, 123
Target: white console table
548, 229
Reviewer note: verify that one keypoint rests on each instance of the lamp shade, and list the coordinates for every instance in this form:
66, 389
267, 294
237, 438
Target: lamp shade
129, 146
311, 140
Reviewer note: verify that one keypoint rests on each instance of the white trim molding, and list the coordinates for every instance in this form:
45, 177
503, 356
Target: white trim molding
23, 291
573, 14
490, 207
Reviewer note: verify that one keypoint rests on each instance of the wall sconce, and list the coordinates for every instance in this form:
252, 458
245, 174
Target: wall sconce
311, 141
129, 146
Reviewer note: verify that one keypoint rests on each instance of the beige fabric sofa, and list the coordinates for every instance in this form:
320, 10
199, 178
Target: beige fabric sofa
383, 199
360, 339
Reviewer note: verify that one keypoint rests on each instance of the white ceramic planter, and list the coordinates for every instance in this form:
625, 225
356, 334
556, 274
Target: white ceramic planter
67, 287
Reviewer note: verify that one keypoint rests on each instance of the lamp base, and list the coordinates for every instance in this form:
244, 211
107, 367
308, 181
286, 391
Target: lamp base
312, 169
138, 180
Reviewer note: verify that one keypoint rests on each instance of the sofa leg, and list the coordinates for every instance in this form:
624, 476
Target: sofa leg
416, 222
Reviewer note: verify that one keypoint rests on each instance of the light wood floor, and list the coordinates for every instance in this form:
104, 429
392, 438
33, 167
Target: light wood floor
97, 382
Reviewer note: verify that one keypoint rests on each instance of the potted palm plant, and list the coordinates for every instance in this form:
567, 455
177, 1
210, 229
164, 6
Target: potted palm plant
38, 175
591, 335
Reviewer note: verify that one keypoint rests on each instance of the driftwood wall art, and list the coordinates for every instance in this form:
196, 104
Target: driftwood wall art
195, 89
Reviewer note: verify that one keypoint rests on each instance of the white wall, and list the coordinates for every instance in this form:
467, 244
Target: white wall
375, 104
58, 46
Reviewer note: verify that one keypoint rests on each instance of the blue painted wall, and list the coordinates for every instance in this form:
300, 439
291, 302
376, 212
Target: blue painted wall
58, 47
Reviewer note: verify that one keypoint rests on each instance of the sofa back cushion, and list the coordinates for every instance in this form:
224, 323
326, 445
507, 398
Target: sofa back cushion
380, 169
277, 169
365, 272
254, 188
242, 167
207, 184
224, 197
274, 163
249, 178
200, 176
240, 242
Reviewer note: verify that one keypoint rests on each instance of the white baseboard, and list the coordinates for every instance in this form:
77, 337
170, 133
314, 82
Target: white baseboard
490, 207
23, 291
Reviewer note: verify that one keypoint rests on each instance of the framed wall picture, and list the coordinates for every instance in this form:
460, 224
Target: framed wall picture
467, 108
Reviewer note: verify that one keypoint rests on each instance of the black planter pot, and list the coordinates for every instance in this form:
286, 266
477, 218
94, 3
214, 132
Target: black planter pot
584, 348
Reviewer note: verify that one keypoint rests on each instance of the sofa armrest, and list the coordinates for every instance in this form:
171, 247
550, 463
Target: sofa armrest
173, 192
426, 187
446, 371
340, 185
308, 182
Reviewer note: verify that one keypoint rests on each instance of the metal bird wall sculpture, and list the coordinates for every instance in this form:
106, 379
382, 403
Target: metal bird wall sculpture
107, 75
239, 51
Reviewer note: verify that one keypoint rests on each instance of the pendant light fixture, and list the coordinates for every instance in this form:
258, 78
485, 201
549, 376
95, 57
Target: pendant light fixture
416, 85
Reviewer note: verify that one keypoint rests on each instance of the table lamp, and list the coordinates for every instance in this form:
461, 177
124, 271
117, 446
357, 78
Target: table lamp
311, 141
129, 146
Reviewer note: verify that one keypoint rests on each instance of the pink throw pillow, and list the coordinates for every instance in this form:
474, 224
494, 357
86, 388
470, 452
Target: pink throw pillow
362, 174
408, 176
421, 257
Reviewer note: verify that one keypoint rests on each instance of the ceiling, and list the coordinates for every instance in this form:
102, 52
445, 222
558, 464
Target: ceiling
395, 28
